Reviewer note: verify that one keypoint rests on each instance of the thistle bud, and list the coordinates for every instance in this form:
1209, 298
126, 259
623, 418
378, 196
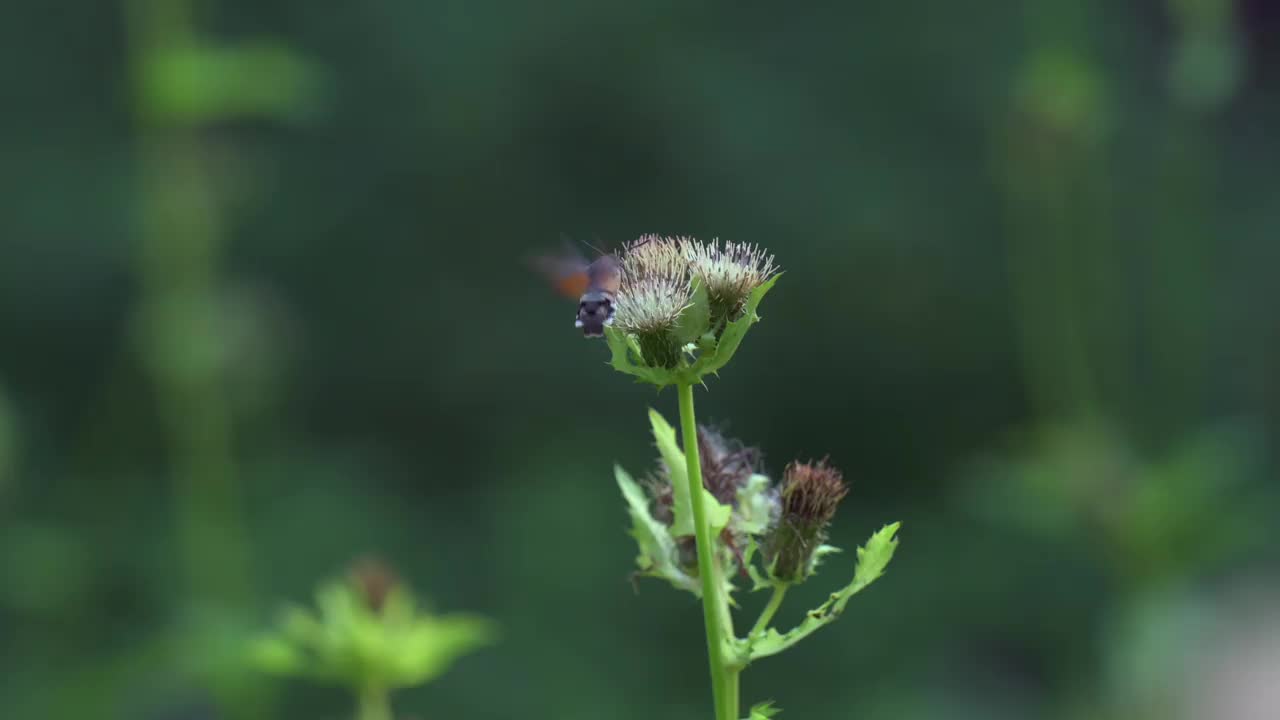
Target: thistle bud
810, 494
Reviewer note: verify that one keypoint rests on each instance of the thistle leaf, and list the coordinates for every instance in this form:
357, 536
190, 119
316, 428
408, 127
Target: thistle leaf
874, 557
872, 560
673, 457
657, 556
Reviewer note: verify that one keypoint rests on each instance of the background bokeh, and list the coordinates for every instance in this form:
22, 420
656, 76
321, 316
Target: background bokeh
264, 308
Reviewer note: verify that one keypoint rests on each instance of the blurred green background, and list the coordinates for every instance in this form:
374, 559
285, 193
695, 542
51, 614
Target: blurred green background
264, 309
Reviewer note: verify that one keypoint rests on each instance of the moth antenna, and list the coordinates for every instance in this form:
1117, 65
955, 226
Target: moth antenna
569, 244
593, 247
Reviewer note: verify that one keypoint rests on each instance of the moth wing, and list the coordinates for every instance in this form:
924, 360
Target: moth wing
566, 272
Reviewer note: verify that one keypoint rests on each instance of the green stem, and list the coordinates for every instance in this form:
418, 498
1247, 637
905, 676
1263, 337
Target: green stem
715, 606
775, 602
731, 694
374, 703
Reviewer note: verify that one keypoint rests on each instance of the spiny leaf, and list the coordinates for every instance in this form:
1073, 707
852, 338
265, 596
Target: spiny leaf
872, 560
673, 457
199, 83
764, 711
875, 556
657, 548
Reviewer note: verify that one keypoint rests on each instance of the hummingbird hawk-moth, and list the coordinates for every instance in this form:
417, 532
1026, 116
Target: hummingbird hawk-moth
594, 283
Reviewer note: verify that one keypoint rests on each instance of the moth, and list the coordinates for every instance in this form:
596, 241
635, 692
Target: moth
594, 283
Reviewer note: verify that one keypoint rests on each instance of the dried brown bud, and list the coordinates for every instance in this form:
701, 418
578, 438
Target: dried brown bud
810, 494
727, 464
374, 580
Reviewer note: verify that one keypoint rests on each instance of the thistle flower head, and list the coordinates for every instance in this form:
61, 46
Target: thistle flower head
810, 494
655, 290
730, 271
682, 307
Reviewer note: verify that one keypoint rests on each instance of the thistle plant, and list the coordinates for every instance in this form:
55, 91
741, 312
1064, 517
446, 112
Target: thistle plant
369, 635
708, 512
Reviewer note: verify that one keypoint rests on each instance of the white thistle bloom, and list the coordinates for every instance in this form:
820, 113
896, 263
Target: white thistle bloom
730, 272
655, 286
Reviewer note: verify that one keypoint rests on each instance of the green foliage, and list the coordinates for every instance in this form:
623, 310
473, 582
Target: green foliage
346, 642
873, 558
1148, 511
657, 542
664, 435
764, 711
754, 516
196, 84
657, 548
627, 357
695, 320
734, 333
753, 513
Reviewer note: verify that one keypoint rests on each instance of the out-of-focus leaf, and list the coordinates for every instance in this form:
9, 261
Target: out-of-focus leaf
351, 644
196, 84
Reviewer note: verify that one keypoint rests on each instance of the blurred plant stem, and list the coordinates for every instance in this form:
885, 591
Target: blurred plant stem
179, 245
715, 604
374, 704
180, 330
1064, 268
